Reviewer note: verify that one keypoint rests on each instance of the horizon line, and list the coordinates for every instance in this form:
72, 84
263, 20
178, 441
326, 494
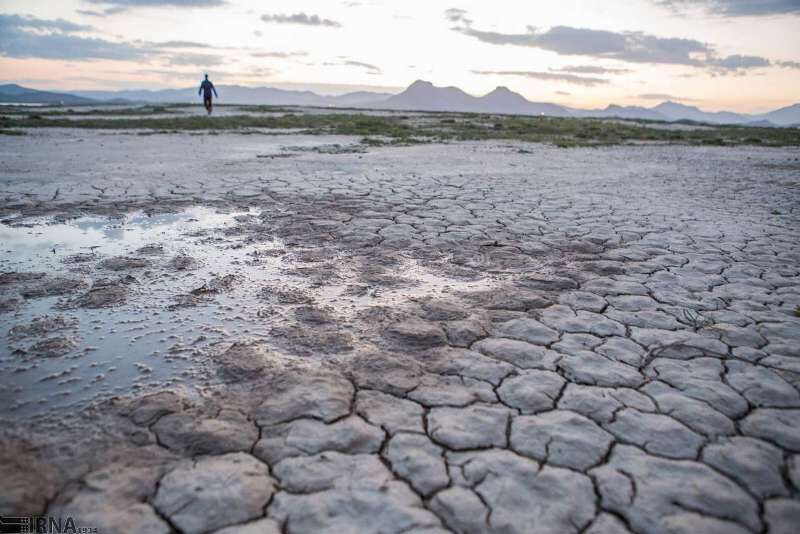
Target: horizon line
686, 101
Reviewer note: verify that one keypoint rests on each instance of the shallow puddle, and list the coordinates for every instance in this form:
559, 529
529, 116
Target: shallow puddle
182, 287
140, 343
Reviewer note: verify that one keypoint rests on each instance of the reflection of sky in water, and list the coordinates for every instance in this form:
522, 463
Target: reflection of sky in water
114, 342
114, 235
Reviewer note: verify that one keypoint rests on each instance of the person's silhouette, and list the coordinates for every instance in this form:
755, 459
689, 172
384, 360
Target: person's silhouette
206, 87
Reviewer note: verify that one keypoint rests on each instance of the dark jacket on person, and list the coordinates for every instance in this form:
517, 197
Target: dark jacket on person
206, 87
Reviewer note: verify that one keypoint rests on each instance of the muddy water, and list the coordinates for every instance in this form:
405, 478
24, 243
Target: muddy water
193, 283
145, 341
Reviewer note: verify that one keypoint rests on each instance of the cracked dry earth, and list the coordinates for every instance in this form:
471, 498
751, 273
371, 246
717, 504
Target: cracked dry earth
617, 348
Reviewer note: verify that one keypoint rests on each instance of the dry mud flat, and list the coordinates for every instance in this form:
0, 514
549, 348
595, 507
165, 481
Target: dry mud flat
443, 338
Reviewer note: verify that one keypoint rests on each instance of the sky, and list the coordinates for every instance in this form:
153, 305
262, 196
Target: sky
716, 54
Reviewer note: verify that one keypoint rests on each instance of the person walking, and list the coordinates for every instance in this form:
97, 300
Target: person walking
206, 87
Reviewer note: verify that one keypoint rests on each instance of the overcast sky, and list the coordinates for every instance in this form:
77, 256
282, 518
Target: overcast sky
717, 54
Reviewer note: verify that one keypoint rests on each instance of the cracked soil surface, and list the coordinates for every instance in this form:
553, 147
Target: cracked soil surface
466, 338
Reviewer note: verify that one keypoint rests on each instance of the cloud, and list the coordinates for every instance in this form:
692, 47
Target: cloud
301, 18
157, 3
738, 62
31, 37
360, 4
457, 15
634, 47
563, 93
195, 59
664, 96
788, 64
591, 69
28, 22
120, 6
103, 13
586, 81
281, 55
257, 73
630, 46
373, 68
370, 68
172, 44
735, 8
168, 74
172, 74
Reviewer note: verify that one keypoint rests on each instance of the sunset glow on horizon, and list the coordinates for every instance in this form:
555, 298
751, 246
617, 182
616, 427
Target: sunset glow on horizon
714, 54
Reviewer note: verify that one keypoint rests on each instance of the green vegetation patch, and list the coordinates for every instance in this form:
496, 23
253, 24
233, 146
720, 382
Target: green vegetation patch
403, 129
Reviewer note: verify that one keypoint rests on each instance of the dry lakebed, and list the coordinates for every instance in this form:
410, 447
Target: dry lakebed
305, 332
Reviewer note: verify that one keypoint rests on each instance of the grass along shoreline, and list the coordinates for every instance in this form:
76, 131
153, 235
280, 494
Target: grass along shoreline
406, 129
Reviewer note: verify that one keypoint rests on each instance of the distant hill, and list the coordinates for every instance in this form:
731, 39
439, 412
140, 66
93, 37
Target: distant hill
759, 124
420, 95
358, 98
790, 115
236, 94
424, 96
504, 100
676, 111
16, 94
620, 112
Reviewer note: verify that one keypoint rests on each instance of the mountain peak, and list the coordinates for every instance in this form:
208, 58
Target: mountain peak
675, 105
14, 89
501, 89
504, 96
419, 84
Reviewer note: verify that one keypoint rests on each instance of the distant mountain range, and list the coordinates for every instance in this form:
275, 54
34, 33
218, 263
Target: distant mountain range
419, 96
236, 94
424, 96
16, 94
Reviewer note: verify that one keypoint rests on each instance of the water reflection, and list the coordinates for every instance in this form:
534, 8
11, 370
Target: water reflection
86, 233
121, 349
